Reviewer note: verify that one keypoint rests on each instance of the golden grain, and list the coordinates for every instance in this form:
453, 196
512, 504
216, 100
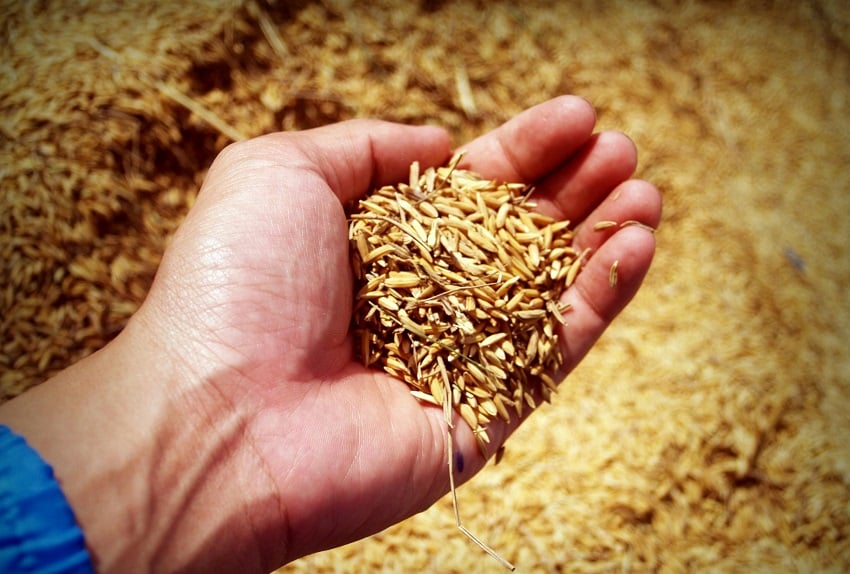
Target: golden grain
634, 223
612, 274
469, 415
575, 266
402, 279
600, 225
491, 339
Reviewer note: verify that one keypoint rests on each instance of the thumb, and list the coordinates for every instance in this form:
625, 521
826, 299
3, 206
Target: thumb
352, 156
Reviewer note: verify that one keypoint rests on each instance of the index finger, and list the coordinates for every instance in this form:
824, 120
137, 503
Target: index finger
533, 143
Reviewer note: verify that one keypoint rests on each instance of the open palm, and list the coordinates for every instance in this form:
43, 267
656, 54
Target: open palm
255, 297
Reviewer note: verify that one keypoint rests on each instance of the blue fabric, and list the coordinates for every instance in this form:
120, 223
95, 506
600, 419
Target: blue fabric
38, 531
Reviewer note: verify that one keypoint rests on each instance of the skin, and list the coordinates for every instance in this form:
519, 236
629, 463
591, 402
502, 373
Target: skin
228, 427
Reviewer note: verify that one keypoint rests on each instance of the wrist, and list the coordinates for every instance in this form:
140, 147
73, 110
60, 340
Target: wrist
133, 445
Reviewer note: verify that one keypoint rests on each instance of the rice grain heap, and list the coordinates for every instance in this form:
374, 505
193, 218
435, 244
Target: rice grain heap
457, 287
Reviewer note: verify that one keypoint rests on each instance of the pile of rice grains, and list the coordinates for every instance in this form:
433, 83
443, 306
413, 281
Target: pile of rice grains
457, 288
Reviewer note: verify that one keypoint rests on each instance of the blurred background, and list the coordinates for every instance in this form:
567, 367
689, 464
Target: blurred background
709, 430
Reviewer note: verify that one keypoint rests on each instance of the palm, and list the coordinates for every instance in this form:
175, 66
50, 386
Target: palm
266, 296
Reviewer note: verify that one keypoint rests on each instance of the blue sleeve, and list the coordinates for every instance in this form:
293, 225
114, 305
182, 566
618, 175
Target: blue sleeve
38, 531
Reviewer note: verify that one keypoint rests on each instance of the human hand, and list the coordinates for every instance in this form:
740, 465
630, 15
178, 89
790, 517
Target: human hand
269, 440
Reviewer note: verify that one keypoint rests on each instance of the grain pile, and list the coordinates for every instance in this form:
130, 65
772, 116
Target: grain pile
457, 291
708, 428
98, 163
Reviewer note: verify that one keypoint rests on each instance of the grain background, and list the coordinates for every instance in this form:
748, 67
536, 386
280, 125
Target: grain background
710, 428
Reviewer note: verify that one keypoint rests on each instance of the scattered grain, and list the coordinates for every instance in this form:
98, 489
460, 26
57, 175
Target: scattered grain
634, 223
600, 225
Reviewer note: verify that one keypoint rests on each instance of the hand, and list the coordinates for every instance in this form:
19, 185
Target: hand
229, 426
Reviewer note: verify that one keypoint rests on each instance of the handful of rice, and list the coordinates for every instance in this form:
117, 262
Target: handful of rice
457, 287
